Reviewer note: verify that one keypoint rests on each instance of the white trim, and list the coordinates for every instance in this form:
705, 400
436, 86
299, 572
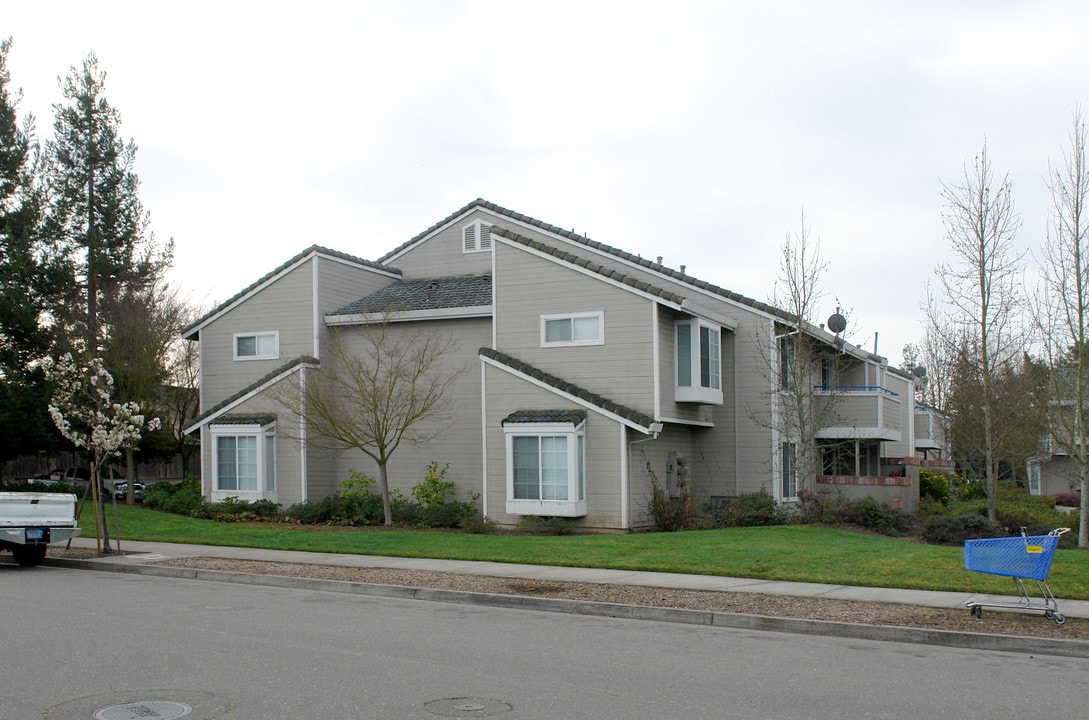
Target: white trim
483, 441
248, 396
246, 295
599, 340
589, 273
656, 359
573, 398
411, 316
573, 506
236, 430
304, 485
314, 298
274, 334
479, 227
695, 392
625, 481
693, 423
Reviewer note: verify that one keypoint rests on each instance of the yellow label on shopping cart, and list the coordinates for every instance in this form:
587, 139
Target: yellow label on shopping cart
1034, 549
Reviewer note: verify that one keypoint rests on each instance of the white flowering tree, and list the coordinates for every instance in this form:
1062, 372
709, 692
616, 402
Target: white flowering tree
83, 410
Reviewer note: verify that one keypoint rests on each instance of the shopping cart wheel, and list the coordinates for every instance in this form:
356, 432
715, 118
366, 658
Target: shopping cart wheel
1055, 615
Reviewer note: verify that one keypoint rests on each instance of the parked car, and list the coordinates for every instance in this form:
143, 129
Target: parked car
121, 487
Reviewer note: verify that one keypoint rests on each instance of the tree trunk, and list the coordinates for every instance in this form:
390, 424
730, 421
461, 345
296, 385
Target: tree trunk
383, 485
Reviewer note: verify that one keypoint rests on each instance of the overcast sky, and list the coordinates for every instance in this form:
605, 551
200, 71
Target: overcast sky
693, 130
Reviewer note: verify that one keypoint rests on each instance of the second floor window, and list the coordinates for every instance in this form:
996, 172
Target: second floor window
256, 346
699, 362
575, 329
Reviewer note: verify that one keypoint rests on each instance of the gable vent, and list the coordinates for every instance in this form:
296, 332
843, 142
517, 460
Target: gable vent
476, 237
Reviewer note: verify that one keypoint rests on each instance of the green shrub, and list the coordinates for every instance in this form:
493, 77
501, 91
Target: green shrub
933, 486
972, 491
748, 510
365, 509
833, 508
955, 529
435, 489
535, 525
182, 498
479, 525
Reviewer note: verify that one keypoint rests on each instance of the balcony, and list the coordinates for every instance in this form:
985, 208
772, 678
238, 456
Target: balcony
929, 430
859, 412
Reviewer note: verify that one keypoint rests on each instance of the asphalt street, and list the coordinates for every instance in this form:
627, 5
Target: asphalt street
104, 646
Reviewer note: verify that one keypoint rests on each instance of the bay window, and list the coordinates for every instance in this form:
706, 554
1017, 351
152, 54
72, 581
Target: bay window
244, 461
699, 362
546, 472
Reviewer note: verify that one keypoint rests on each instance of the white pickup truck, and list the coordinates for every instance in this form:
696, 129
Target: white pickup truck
29, 521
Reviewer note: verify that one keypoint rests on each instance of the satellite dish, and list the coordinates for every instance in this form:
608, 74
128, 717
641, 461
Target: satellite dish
919, 372
837, 323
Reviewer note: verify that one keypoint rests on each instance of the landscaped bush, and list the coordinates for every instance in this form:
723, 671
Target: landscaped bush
535, 525
933, 486
1068, 499
234, 510
182, 498
362, 509
833, 508
955, 529
748, 510
480, 525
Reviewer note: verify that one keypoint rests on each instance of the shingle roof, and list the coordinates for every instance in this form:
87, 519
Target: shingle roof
431, 294
245, 419
588, 265
574, 417
600, 401
600, 247
317, 249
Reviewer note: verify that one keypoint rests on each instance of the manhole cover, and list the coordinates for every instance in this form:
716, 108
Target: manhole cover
467, 707
143, 705
144, 710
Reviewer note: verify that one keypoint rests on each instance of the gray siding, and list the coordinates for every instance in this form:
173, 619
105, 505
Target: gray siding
604, 455
440, 255
621, 369
286, 306
458, 442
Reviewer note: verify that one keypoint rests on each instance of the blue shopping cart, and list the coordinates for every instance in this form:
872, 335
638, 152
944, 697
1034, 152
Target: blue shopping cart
1024, 557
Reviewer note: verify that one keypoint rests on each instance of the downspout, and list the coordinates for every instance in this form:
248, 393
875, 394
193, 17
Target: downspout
303, 486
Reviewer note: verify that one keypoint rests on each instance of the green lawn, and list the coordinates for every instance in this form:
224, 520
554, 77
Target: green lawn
787, 552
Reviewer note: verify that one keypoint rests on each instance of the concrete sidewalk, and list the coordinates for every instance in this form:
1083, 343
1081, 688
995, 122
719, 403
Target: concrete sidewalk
146, 551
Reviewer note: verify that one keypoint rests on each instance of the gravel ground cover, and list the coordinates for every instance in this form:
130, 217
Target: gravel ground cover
868, 613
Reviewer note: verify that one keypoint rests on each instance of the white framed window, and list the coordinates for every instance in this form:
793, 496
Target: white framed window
257, 346
476, 237
574, 329
790, 471
699, 362
788, 359
546, 469
244, 461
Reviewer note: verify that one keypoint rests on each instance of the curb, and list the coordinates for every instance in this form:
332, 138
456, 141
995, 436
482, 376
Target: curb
856, 631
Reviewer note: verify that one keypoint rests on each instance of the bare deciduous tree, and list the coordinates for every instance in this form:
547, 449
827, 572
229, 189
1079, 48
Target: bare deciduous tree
799, 412
977, 316
1063, 308
379, 386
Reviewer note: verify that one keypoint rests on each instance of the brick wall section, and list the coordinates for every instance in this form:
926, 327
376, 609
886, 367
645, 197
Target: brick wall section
863, 480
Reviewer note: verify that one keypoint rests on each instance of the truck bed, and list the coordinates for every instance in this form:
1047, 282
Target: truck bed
39, 509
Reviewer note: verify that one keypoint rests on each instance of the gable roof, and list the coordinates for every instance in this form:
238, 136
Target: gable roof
629, 416
655, 267
460, 291
250, 390
586, 264
189, 332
